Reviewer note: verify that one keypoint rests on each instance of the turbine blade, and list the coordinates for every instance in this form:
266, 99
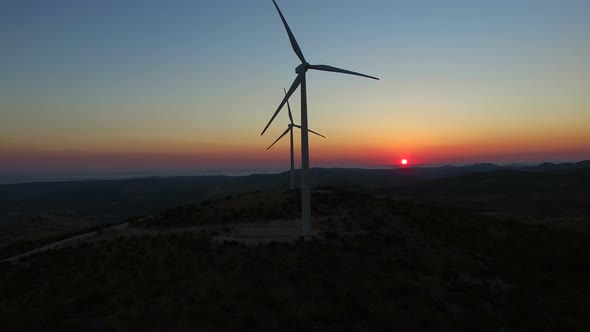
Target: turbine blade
289, 108
294, 44
338, 70
289, 93
311, 131
285, 133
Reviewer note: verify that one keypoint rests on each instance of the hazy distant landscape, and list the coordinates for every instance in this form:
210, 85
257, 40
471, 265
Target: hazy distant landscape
14, 177
113, 200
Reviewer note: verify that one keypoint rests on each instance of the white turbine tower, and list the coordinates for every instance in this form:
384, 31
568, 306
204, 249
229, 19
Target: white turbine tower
290, 130
300, 80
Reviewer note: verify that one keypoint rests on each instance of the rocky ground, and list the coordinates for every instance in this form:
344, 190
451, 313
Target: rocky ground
237, 264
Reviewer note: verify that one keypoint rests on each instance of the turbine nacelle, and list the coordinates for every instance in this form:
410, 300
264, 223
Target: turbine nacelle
302, 68
289, 129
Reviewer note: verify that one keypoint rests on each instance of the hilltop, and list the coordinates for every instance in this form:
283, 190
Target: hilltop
34, 214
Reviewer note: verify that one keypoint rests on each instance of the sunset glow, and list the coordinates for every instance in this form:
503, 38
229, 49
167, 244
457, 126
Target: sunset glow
149, 87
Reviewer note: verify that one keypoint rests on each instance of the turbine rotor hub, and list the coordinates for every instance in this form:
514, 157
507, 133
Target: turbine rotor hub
302, 68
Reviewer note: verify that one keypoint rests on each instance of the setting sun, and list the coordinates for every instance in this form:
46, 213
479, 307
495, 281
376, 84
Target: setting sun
404, 161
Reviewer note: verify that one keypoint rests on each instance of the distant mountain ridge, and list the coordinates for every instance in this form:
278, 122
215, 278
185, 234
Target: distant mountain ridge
116, 199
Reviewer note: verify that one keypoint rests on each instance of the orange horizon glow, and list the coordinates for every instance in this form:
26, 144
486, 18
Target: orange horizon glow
346, 146
247, 156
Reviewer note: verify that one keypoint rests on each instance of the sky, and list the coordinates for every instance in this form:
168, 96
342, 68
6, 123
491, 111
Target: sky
129, 86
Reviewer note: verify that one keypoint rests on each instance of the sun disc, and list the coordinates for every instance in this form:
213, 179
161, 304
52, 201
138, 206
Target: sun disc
404, 161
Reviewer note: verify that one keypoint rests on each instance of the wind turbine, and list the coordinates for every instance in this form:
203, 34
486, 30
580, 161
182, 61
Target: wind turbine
300, 80
290, 130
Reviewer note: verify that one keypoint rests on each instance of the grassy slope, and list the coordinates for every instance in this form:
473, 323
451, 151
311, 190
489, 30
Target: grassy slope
415, 267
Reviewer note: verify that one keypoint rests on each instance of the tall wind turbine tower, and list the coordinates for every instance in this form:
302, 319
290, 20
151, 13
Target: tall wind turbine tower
301, 70
290, 130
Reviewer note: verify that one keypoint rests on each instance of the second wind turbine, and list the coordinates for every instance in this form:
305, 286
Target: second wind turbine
290, 130
300, 80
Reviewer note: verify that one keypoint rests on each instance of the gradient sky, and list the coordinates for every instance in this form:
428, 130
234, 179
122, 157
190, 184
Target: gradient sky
184, 85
